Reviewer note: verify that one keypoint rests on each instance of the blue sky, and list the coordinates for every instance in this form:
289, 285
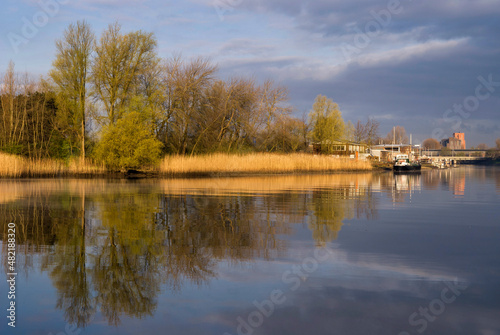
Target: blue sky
403, 62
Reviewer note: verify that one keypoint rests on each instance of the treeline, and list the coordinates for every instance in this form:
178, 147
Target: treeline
103, 93
115, 99
28, 117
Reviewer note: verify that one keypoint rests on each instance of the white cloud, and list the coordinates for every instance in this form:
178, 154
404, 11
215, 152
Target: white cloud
429, 48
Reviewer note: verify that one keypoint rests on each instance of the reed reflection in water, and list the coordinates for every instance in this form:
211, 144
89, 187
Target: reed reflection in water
111, 246
114, 250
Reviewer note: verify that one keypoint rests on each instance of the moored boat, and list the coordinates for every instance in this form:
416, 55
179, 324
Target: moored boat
403, 164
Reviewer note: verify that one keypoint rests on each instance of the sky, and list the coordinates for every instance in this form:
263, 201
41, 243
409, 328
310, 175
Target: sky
432, 67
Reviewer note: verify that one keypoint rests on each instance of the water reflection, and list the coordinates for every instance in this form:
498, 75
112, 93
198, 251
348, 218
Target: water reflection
111, 248
455, 179
405, 184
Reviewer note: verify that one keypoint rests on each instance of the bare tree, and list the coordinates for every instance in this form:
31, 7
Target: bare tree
15, 99
397, 136
431, 143
482, 146
371, 131
360, 132
238, 122
288, 134
241, 122
271, 106
186, 84
350, 131
27, 115
43, 135
305, 130
365, 132
8, 93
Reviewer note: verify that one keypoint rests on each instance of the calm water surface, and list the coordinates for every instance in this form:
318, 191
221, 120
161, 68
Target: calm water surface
324, 254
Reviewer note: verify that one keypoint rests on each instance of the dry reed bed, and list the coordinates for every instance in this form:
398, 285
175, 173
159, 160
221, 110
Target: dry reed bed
12, 166
258, 163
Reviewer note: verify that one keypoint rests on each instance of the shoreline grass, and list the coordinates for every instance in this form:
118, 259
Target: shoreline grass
258, 163
12, 166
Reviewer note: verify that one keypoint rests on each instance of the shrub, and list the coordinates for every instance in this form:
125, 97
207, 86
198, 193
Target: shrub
128, 144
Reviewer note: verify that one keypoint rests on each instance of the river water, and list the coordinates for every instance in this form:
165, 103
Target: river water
368, 253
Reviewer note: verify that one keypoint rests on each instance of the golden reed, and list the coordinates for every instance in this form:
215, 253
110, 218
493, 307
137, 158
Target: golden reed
12, 166
258, 163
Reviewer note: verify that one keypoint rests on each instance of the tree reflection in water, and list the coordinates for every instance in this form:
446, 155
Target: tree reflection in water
111, 247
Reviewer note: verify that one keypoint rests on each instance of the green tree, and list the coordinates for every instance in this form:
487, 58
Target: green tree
70, 74
129, 143
326, 120
119, 63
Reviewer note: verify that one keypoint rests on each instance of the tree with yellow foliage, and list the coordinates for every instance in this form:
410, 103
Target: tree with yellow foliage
326, 121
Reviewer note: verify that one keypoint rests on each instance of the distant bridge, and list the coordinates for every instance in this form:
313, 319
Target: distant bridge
460, 155
457, 158
475, 153
453, 160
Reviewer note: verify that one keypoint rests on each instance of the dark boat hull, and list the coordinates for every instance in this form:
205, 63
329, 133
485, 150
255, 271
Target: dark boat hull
407, 168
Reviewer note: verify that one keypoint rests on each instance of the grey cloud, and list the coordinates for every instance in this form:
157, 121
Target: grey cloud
487, 128
426, 60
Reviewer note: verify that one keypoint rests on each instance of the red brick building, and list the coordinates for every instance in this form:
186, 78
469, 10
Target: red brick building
461, 137
456, 142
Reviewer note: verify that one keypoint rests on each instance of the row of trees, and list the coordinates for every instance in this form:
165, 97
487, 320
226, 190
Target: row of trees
116, 97
100, 92
27, 117
173, 105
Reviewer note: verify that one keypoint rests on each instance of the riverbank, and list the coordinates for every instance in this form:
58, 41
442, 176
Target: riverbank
186, 166
12, 166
